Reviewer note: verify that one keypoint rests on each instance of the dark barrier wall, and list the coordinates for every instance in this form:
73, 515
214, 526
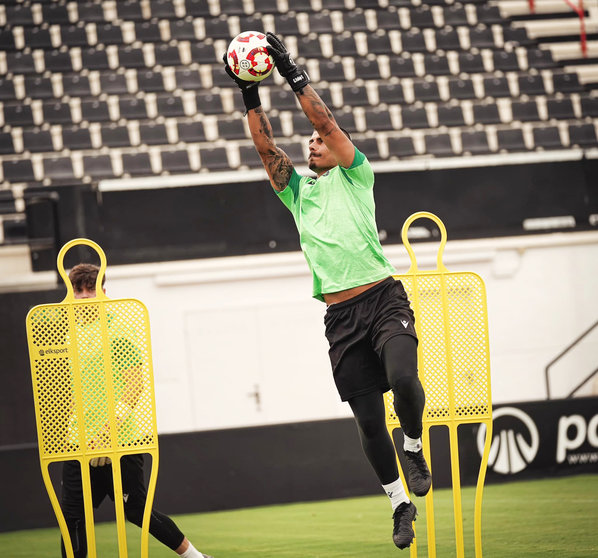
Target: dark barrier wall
247, 218
202, 471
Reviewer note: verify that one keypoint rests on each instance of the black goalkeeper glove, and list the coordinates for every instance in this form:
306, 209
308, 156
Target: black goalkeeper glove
249, 89
285, 65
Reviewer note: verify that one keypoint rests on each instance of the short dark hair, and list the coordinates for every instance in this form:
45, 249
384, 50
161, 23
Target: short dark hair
85, 275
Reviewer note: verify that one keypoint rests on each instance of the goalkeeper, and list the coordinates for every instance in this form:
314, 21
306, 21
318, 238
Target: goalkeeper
83, 278
369, 322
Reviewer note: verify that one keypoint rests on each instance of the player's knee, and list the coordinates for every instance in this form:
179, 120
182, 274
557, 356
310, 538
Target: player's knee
371, 427
134, 515
406, 387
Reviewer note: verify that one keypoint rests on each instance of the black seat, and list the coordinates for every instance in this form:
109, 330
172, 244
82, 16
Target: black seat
182, 30
38, 87
20, 63
175, 161
203, 52
294, 149
378, 43
37, 37
488, 14
6, 144
132, 108
55, 13
447, 38
414, 117
150, 81
331, 70
37, 141
582, 135
109, 34
74, 36
525, 111
471, 63
7, 40
152, 133
113, 83
20, 170
436, 65
460, 88
387, 19
421, 17
58, 168
517, 35
208, 103
505, 61
163, 9
94, 110
167, 55
426, 90
344, 45
301, 125
90, 12
75, 137
540, 58
401, 66
309, 46
283, 99
486, 113
531, 84
7, 89
115, 135
249, 156
547, 137
147, 31
355, 95
401, 147
19, 15
413, 41
94, 59
439, 145
496, 87
378, 119
450, 115
474, 142
214, 158
455, 15
230, 128
589, 106
319, 22
511, 140
58, 61
481, 37
129, 10
131, 57
197, 8
170, 106
231, 7
191, 132
561, 108
354, 20
188, 78
566, 83
137, 164
366, 68
76, 85
346, 120
17, 114
391, 93
98, 166
217, 28
369, 147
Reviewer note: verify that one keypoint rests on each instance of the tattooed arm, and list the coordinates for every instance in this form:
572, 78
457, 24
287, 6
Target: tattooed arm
276, 162
324, 123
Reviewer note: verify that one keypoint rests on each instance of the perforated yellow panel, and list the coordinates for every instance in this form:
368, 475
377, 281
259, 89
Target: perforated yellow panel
454, 367
450, 316
91, 369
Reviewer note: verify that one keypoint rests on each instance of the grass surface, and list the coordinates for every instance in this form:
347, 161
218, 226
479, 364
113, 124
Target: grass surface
554, 517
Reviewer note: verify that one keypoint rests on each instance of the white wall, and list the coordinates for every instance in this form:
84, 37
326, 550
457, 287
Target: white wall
239, 341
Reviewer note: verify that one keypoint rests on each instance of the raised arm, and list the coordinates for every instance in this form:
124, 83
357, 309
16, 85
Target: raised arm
314, 108
276, 162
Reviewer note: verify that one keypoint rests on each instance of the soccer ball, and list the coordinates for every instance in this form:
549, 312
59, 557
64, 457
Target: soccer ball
248, 58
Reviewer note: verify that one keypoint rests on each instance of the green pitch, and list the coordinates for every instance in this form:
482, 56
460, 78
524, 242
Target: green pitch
547, 518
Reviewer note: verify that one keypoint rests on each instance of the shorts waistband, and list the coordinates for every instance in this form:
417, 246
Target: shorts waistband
361, 296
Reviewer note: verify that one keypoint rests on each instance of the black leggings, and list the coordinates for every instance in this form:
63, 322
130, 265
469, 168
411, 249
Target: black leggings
399, 357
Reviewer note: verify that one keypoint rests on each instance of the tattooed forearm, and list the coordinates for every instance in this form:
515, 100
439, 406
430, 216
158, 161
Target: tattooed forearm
279, 167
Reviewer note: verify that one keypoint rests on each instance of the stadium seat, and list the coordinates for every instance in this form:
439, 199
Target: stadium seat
482, 37
309, 46
516, 35
474, 142
37, 37
283, 99
413, 41
136, 164
540, 58
167, 55
496, 87
387, 19
589, 106
354, 20
582, 135
20, 170
439, 145
391, 93
230, 128
113, 84
163, 9
301, 125
414, 117
188, 78
175, 161
425, 90
531, 84
421, 17
249, 156
511, 140
450, 115
94, 59
17, 114
20, 63
401, 147
447, 38
90, 12
148, 31
7, 89
98, 166
436, 65
76, 85
170, 106
344, 45
208, 103
331, 70
182, 30
366, 68
191, 132
74, 36
547, 137
378, 43
378, 119
38, 87
19, 15
488, 14
369, 147
455, 15
58, 61
214, 158
6, 143
55, 13
152, 133
319, 22
355, 95
470, 63
197, 8
94, 110
115, 135
131, 57
486, 113
525, 111
561, 108
76, 137
129, 10
346, 120
505, 61
217, 28
401, 66
566, 82
7, 40
461, 88
150, 81
203, 52
36, 140
58, 168
109, 34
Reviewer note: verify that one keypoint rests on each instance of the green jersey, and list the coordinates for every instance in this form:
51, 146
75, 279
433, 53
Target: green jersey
335, 217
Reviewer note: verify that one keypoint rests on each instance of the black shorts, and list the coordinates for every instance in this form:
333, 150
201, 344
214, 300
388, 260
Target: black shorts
133, 484
357, 329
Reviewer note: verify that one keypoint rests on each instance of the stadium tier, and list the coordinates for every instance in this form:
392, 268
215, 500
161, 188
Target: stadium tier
109, 89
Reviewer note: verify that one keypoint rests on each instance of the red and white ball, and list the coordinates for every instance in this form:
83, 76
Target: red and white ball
248, 58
